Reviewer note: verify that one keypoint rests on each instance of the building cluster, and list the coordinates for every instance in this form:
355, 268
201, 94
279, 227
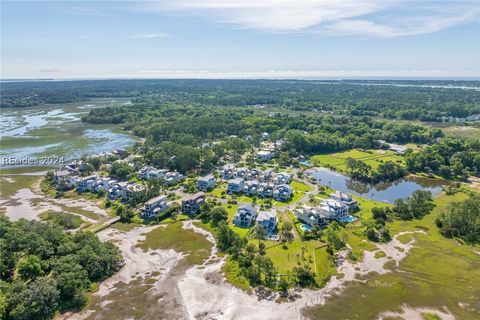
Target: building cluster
254, 182
247, 214
151, 173
337, 207
268, 150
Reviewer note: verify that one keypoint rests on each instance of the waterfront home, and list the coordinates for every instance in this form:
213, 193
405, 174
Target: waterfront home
282, 178
122, 153
155, 206
268, 220
206, 182
134, 190
235, 186
244, 216
75, 166
345, 198
64, 180
117, 190
337, 210
103, 184
191, 204
312, 216
282, 193
86, 183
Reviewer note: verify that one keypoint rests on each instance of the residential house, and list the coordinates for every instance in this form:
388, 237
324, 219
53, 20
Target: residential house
282, 193
345, 198
228, 172
268, 220
191, 204
173, 177
337, 210
117, 190
134, 190
251, 187
265, 155
265, 190
253, 174
86, 183
148, 172
266, 176
282, 178
206, 183
312, 216
235, 186
64, 179
103, 184
244, 216
155, 206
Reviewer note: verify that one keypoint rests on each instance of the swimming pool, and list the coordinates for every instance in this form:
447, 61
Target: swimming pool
305, 227
348, 219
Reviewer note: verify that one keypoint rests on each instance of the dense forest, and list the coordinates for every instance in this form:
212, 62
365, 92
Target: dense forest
192, 137
390, 99
44, 270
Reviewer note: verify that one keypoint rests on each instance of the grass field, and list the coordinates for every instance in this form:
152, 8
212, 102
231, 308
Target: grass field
339, 160
462, 132
436, 272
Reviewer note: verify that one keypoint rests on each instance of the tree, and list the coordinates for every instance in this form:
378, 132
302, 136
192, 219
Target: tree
259, 232
218, 214
461, 219
38, 300
29, 267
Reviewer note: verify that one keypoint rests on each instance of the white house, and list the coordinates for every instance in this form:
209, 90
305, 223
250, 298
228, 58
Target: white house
337, 210
235, 186
206, 183
282, 192
268, 220
345, 198
154, 206
312, 216
152, 173
244, 216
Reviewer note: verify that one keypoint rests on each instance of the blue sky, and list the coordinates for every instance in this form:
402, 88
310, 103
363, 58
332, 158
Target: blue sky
240, 39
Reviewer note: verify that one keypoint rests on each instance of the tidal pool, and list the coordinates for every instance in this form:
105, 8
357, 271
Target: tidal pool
383, 192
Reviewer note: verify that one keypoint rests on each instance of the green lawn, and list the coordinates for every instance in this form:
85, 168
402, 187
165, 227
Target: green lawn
339, 160
436, 272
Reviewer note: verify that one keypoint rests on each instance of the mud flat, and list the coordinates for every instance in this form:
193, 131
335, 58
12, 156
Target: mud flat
143, 288
207, 296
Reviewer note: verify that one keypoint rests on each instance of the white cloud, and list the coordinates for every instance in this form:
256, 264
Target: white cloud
378, 18
149, 36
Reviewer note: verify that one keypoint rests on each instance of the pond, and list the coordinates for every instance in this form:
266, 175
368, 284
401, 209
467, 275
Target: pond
383, 192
